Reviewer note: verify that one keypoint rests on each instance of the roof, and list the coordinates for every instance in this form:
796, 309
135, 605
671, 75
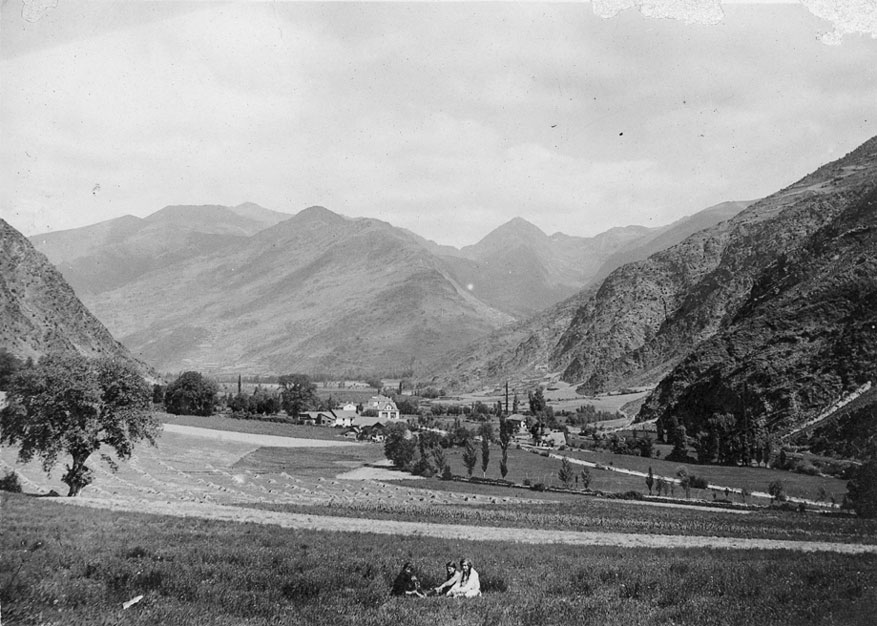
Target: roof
362, 421
341, 414
317, 414
382, 402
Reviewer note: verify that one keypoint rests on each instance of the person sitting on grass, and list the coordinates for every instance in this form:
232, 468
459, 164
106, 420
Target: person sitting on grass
406, 583
453, 578
468, 586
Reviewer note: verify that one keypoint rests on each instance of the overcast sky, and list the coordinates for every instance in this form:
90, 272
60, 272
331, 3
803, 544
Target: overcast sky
448, 119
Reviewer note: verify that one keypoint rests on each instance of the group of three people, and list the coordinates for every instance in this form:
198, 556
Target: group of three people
461, 582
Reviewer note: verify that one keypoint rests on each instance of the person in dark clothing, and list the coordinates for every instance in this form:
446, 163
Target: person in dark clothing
406, 583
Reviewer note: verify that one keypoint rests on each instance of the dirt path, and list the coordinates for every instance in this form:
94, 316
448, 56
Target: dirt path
457, 532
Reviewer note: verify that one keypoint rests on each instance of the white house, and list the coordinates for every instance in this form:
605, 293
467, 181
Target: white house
384, 406
344, 418
350, 406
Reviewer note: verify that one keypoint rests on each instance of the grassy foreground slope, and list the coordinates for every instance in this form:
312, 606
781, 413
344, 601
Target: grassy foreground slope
65, 565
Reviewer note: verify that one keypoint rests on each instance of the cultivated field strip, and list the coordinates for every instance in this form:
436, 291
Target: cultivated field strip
303, 521
199, 468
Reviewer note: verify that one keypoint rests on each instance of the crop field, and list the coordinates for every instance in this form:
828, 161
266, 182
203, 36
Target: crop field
311, 531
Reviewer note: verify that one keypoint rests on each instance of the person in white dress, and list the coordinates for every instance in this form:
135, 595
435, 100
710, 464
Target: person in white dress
469, 586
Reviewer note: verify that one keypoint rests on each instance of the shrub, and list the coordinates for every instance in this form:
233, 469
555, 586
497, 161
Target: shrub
777, 490
632, 495
807, 468
10, 483
538, 487
698, 482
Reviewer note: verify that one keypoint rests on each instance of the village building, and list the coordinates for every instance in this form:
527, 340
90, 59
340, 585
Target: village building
317, 418
384, 407
344, 418
519, 425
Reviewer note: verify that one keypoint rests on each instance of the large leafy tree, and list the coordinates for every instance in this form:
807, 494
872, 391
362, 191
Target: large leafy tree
537, 402
400, 445
68, 404
297, 394
191, 394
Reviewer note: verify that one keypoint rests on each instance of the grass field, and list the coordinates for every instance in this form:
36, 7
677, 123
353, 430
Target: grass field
193, 570
65, 565
525, 465
255, 426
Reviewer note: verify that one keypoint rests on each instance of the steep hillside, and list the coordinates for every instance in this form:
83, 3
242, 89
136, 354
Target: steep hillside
107, 255
646, 316
39, 312
805, 334
850, 433
669, 236
649, 315
516, 353
318, 291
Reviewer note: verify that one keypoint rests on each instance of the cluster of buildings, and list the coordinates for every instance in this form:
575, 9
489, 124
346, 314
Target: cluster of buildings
380, 411
368, 424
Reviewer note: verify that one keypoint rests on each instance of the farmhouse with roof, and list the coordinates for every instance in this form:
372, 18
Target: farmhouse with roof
344, 418
383, 406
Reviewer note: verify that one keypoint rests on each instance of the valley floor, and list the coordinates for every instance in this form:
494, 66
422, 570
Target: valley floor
298, 482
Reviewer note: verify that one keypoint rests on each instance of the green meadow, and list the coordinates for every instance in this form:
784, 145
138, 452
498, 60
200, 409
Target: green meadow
64, 565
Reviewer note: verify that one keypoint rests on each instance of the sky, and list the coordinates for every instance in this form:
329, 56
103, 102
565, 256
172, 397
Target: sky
448, 119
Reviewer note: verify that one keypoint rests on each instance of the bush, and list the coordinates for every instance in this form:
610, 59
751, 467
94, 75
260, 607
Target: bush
698, 482
538, 487
807, 468
777, 490
10, 483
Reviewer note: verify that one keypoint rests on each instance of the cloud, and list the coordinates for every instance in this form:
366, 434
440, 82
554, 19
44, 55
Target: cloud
448, 119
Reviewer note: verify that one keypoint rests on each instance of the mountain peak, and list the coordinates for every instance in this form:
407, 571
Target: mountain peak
188, 212
319, 213
519, 226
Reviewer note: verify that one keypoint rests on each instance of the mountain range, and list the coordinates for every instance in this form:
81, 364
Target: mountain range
230, 288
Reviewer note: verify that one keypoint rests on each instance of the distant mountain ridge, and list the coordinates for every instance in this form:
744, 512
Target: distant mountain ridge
162, 284
317, 291
109, 254
39, 312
